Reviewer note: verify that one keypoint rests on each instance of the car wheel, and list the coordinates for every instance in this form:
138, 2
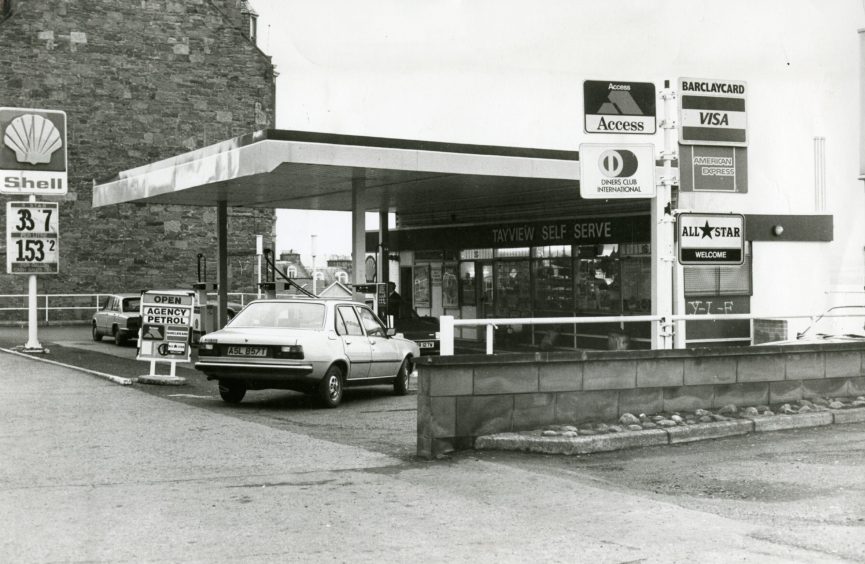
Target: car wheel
119, 337
95, 334
330, 388
400, 385
232, 392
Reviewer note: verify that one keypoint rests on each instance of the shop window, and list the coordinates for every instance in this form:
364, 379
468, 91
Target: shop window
598, 279
468, 285
518, 252
512, 288
476, 254
450, 286
720, 280
553, 272
635, 261
421, 285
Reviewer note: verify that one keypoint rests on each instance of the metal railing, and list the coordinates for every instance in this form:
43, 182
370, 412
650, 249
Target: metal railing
666, 325
55, 308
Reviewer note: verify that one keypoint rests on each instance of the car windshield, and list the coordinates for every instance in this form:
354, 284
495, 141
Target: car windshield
287, 315
838, 321
132, 304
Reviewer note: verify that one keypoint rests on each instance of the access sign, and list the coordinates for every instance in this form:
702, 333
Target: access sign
32, 238
166, 323
617, 171
33, 152
712, 112
711, 239
613, 106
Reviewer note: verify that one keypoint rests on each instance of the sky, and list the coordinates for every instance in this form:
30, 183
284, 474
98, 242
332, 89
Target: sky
510, 72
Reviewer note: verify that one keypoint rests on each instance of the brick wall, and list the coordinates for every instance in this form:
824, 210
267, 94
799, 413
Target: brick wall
140, 80
463, 397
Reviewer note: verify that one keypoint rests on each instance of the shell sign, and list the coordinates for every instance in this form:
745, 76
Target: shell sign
33, 152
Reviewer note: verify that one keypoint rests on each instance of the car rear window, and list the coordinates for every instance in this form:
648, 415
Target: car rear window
286, 315
132, 305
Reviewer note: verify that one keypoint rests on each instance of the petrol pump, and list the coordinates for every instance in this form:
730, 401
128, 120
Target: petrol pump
374, 294
270, 289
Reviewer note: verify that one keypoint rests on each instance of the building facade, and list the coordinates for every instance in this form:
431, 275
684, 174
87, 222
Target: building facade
140, 81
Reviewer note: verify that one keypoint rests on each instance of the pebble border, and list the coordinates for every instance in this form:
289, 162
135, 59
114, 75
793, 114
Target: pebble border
589, 444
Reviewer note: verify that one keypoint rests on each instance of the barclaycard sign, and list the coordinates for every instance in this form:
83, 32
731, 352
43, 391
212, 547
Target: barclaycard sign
33, 152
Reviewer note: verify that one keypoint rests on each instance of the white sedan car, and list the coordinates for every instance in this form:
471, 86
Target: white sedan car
316, 346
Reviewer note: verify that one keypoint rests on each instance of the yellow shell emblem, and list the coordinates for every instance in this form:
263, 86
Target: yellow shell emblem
33, 138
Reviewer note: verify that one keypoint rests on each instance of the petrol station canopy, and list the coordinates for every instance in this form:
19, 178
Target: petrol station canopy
319, 171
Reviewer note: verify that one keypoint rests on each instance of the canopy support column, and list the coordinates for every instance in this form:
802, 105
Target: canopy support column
221, 263
384, 245
358, 227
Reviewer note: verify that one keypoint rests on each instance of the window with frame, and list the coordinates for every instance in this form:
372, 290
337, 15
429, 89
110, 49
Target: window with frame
371, 323
720, 280
347, 322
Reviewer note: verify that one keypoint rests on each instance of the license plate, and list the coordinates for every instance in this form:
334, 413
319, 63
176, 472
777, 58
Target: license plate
426, 344
247, 351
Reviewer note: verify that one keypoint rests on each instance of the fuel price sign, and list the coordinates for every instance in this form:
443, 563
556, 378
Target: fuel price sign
32, 238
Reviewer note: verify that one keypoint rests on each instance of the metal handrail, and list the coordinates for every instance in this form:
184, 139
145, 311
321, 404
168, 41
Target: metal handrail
94, 301
447, 323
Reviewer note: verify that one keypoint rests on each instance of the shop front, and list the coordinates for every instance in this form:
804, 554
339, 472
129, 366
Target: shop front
589, 266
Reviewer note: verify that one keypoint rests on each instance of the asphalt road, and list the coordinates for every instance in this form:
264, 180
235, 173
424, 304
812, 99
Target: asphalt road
98, 472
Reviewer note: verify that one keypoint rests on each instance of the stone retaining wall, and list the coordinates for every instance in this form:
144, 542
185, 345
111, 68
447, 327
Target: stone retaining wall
463, 397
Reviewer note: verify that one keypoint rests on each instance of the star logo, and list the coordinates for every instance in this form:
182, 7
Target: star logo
707, 231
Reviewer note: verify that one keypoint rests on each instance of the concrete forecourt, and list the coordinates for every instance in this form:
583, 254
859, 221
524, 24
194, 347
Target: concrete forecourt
97, 471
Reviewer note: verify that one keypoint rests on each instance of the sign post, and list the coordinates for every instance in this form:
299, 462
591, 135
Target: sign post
32, 162
166, 329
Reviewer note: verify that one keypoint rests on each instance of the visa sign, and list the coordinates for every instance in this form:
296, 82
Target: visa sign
712, 112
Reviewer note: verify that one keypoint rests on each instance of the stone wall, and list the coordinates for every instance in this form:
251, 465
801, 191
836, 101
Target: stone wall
140, 80
769, 330
463, 397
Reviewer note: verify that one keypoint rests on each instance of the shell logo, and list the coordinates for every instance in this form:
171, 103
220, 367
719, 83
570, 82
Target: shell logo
33, 138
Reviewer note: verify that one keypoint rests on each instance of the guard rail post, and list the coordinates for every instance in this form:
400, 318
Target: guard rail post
490, 335
446, 335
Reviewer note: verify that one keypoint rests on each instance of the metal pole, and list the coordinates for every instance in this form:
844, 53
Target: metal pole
259, 250
32, 344
446, 335
490, 335
662, 234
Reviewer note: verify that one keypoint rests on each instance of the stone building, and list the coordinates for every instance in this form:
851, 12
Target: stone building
139, 80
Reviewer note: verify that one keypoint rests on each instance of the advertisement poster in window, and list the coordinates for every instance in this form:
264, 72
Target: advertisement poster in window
421, 286
450, 286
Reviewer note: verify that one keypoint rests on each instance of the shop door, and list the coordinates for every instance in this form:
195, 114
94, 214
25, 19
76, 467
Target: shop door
486, 296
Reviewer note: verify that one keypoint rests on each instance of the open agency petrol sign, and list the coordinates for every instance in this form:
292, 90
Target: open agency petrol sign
166, 322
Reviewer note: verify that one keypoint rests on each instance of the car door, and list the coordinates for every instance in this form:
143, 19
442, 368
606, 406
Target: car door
354, 342
385, 353
105, 315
